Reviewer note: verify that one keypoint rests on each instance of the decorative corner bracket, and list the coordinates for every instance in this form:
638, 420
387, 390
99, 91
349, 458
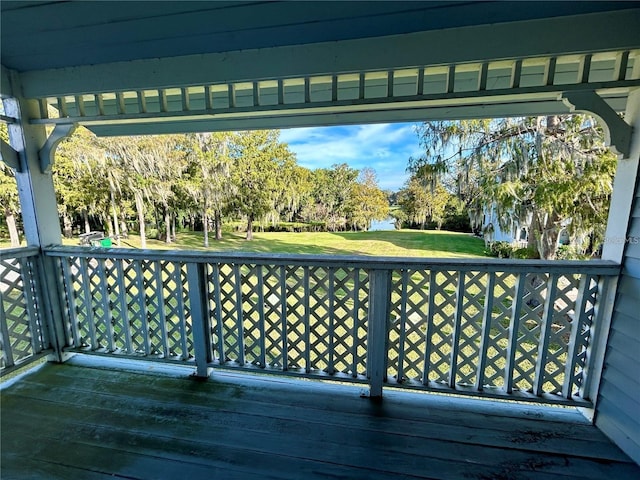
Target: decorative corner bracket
9, 155
48, 150
617, 131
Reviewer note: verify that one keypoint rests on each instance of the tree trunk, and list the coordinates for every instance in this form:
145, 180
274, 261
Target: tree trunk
114, 212
250, 227
124, 230
13, 228
205, 228
85, 216
173, 228
167, 224
68, 226
140, 211
156, 217
547, 236
108, 224
217, 219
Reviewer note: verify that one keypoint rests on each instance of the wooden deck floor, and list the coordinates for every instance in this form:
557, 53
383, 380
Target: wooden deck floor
74, 421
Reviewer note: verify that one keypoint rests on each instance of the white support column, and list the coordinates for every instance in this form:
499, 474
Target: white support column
37, 195
623, 187
39, 208
379, 300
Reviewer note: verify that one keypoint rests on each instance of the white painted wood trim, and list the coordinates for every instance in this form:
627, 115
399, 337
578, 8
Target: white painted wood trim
624, 187
591, 32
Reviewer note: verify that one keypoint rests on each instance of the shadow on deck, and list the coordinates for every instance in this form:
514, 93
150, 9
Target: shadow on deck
94, 418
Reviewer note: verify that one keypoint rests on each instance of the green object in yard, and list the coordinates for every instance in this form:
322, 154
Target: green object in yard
106, 242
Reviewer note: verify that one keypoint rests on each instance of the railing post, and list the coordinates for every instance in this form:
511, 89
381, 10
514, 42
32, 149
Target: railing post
196, 279
49, 282
600, 330
379, 300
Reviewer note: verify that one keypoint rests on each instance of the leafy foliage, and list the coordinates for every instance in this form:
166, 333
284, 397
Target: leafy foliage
553, 169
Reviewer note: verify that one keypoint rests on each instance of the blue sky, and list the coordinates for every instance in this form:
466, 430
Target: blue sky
384, 147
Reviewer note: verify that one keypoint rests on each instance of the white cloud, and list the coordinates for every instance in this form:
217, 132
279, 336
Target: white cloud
384, 147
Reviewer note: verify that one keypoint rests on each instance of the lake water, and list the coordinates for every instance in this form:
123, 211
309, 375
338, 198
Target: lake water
386, 224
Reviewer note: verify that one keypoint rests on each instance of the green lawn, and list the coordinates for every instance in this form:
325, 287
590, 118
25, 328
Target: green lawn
403, 243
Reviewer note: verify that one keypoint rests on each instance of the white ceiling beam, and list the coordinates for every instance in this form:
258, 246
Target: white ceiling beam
296, 119
616, 30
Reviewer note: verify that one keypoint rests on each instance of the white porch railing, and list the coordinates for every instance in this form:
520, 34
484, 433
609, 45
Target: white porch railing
23, 329
520, 329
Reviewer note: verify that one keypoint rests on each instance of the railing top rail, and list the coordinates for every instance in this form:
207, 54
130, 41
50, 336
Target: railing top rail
18, 252
596, 267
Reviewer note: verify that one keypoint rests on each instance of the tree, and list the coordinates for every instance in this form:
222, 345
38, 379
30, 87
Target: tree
210, 178
331, 190
422, 202
552, 169
258, 161
366, 202
79, 173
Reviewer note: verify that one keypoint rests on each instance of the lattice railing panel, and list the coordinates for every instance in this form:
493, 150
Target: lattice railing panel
526, 331
297, 283
498, 338
441, 324
275, 329
23, 333
470, 327
584, 322
407, 332
127, 307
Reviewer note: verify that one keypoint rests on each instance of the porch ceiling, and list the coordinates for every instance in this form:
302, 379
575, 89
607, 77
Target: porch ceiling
160, 67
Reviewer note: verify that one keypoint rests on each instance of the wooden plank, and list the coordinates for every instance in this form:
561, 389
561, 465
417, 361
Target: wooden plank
395, 455
514, 327
161, 315
142, 305
119, 462
379, 294
261, 320
237, 287
106, 303
177, 279
455, 336
201, 412
26, 274
487, 319
576, 328
218, 312
283, 317
428, 346
24, 466
356, 323
88, 302
199, 317
307, 325
341, 401
626, 345
403, 324
545, 331
619, 376
331, 275
7, 350
612, 429
124, 310
624, 401
594, 267
142, 101
629, 286
625, 417
626, 325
